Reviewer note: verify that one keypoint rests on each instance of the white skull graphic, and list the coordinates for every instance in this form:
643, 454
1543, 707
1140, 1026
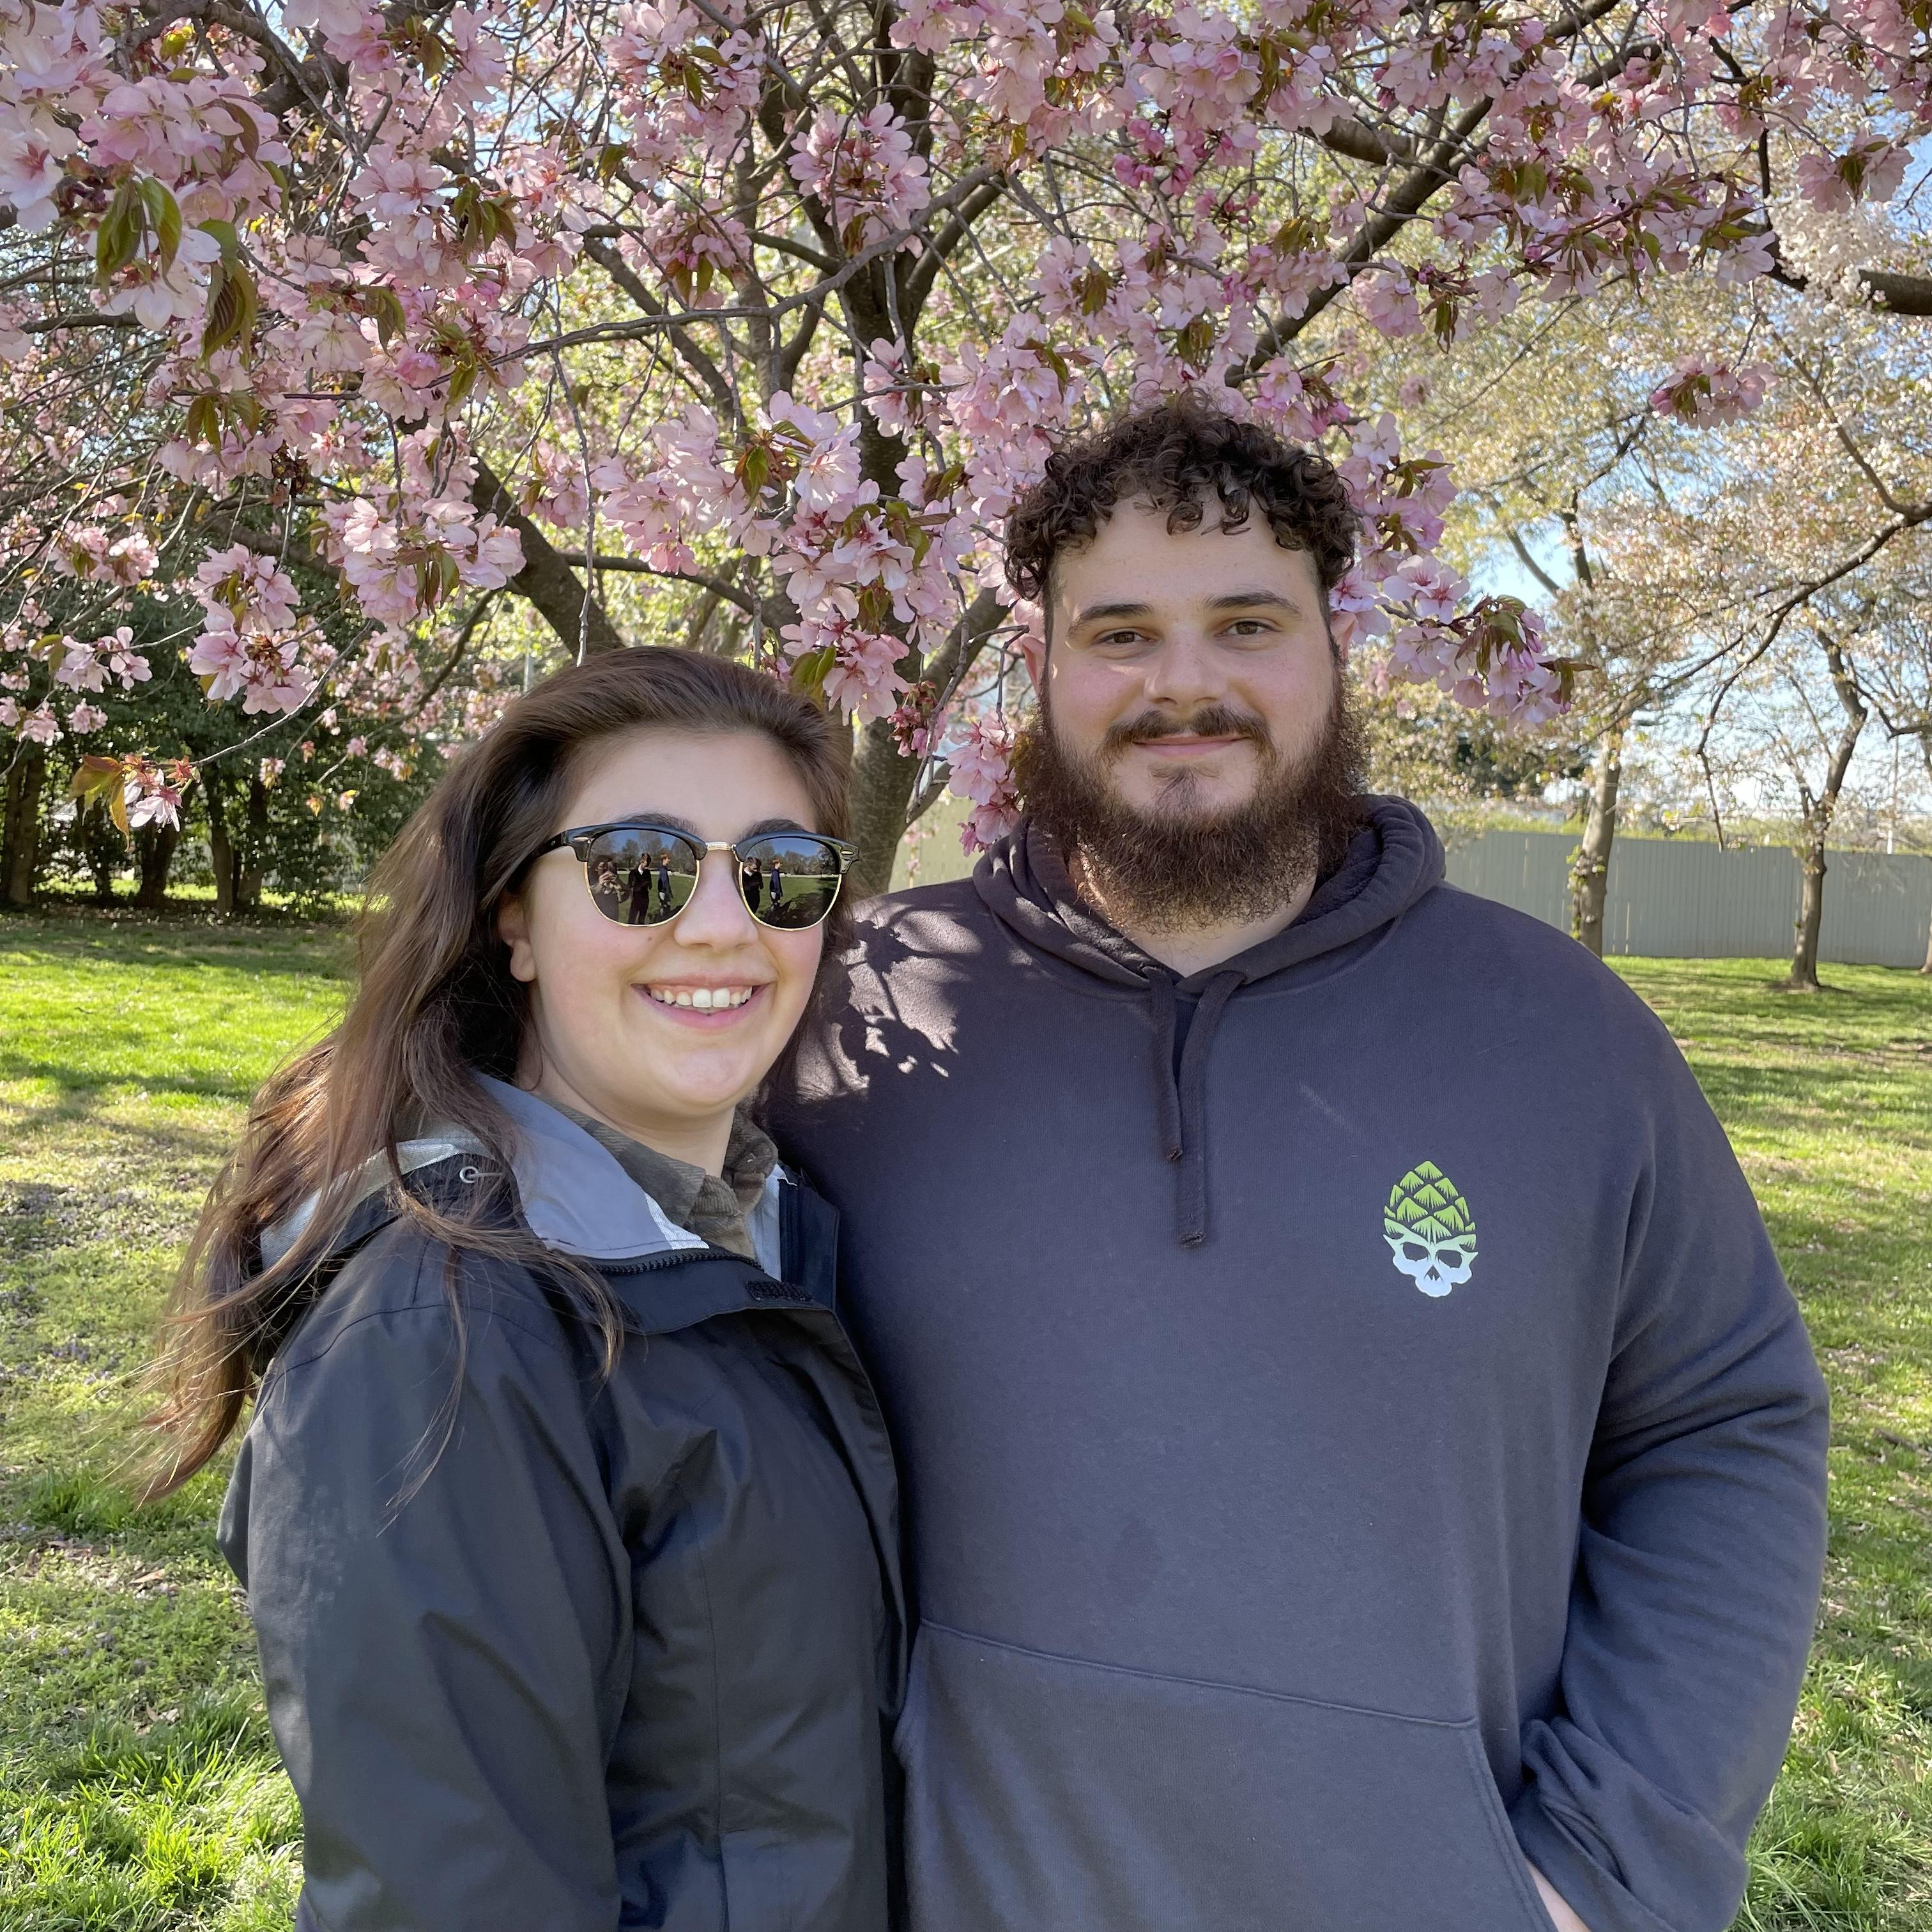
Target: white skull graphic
1434, 1266
1430, 1229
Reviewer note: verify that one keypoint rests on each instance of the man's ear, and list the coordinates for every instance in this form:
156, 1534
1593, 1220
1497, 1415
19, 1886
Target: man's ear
513, 929
1033, 650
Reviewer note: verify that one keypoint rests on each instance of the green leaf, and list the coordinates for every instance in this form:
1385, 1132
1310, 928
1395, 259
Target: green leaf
386, 307
164, 213
231, 307
99, 779
808, 674
204, 420
118, 239
462, 380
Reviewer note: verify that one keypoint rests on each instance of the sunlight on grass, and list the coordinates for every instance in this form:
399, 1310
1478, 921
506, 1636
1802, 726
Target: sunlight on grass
140, 1790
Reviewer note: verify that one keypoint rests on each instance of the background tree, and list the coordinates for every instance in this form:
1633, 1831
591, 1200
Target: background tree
741, 325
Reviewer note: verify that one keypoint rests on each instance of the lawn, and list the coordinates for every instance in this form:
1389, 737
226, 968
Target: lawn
139, 1788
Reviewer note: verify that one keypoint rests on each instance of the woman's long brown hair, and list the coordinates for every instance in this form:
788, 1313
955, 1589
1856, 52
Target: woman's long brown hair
434, 1005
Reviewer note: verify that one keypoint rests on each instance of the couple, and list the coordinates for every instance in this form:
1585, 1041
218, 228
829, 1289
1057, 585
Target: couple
1361, 1468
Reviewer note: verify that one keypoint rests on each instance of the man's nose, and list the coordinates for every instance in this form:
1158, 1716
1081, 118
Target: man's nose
1186, 670
715, 914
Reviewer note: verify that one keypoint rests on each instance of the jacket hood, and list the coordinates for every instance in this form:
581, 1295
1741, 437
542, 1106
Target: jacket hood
574, 1196
1390, 862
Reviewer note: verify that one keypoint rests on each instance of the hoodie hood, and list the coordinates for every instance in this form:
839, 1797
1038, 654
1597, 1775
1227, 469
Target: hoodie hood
1390, 862
574, 1196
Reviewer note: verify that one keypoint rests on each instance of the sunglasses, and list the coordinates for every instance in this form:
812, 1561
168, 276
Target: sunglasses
639, 874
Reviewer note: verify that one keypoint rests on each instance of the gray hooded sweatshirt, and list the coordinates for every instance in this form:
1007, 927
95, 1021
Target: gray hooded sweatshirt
1354, 1431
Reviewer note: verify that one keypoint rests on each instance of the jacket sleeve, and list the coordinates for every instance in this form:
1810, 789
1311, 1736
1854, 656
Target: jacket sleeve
444, 1667
1700, 1555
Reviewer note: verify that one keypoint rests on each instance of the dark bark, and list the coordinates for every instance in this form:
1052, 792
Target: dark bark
1818, 815
252, 860
20, 846
221, 853
1925, 746
103, 861
880, 789
154, 857
554, 589
1590, 872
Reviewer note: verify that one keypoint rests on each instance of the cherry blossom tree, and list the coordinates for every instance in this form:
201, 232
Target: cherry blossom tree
744, 324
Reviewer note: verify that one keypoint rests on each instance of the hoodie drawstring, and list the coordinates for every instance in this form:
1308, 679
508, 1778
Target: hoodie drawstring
1180, 1095
1166, 1094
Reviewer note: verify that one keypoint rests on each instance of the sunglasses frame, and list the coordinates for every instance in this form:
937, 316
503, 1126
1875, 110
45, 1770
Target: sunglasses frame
579, 839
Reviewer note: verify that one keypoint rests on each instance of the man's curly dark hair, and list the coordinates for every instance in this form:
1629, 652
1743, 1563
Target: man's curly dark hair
1173, 456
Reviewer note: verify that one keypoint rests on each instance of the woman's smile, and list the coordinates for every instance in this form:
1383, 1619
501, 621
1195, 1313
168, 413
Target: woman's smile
702, 1004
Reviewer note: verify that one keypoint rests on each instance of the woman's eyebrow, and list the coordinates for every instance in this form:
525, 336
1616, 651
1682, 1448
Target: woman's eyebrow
765, 825
669, 820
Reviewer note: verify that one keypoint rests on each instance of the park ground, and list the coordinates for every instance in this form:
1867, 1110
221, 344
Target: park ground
139, 1791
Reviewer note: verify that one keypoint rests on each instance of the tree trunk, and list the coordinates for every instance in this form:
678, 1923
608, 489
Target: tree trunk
154, 855
1925, 747
880, 789
1590, 871
546, 578
20, 844
1803, 975
250, 862
220, 851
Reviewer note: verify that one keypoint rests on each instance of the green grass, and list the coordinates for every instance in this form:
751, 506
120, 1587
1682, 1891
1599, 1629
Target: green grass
139, 1788
1828, 1099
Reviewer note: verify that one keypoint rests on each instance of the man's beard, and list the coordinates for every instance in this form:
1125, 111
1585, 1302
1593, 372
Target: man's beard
1174, 865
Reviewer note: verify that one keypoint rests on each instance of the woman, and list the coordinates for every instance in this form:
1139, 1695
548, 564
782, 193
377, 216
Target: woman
566, 1513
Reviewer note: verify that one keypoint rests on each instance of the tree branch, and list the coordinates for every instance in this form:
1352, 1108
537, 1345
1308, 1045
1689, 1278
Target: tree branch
547, 581
1530, 564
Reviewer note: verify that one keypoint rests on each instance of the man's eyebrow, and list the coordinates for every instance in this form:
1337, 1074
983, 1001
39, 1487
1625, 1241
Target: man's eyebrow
1251, 600
1125, 610
1232, 600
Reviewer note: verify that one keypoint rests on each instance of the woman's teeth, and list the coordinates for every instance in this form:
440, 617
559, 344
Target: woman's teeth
705, 999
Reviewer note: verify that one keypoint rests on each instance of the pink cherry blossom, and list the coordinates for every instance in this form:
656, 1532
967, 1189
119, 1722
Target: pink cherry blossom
745, 299
1703, 389
979, 769
866, 172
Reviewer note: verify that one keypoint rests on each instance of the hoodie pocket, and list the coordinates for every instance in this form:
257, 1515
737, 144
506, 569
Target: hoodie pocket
1046, 1792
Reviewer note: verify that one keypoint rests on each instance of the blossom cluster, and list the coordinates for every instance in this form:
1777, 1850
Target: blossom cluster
667, 271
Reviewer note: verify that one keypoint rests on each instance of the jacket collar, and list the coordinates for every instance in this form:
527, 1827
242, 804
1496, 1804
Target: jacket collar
574, 1196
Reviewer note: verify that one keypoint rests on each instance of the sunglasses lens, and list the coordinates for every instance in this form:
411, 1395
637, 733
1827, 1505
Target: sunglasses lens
790, 879
639, 876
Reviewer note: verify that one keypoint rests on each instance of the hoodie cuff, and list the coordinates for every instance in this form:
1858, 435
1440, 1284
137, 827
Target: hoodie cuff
1625, 1856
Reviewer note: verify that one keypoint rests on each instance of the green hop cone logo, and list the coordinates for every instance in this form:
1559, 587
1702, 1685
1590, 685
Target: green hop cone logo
1430, 1230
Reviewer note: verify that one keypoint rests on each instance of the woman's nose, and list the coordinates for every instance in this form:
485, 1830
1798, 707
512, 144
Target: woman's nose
715, 914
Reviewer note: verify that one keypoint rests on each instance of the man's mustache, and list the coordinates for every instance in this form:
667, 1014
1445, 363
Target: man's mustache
1211, 720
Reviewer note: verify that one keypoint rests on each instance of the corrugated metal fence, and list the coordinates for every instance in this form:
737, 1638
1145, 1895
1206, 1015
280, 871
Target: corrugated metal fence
1685, 899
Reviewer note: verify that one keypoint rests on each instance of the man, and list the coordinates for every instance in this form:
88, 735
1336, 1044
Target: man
1364, 1471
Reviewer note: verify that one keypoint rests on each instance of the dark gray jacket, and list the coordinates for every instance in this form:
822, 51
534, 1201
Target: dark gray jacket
1355, 1434
624, 1657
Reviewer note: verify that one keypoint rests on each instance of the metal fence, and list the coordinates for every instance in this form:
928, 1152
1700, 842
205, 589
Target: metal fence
1685, 899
